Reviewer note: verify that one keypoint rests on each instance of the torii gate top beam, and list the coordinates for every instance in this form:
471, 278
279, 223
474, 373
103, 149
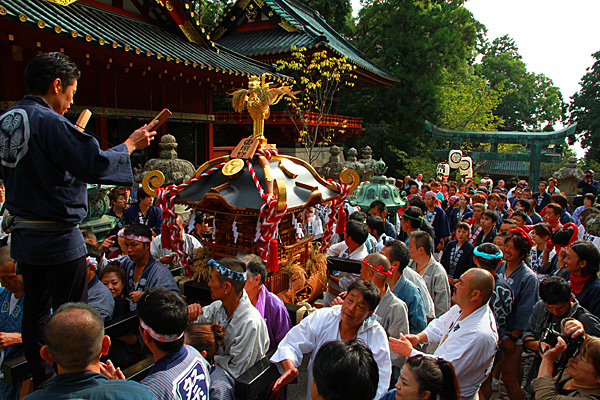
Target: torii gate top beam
536, 140
541, 138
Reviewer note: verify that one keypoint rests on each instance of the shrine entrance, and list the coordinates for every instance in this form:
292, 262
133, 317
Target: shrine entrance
536, 142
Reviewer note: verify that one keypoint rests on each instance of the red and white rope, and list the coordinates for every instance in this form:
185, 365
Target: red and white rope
166, 201
269, 216
333, 214
267, 152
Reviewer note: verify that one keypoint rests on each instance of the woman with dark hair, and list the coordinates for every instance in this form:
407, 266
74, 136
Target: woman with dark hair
588, 202
208, 339
425, 378
460, 213
581, 261
541, 255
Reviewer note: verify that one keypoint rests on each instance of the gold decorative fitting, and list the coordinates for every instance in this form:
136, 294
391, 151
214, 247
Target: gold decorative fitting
195, 64
202, 30
251, 6
210, 67
190, 32
260, 3
237, 73
109, 60
168, 58
22, 17
148, 53
41, 24
186, 62
187, 6
101, 41
198, 23
57, 29
88, 38
138, 50
38, 44
127, 47
62, 2
3, 11
115, 45
217, 69
177, 60
233, 17
169, 6
270, 13
217, 51
11, 37
74, 34
192, 14
287, 26
159, 56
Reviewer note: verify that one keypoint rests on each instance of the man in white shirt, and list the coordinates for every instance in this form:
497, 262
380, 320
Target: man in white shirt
165, 256
352, 248
349, 321
466, 334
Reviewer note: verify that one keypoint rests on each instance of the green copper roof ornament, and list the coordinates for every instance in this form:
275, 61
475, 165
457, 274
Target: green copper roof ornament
379, 189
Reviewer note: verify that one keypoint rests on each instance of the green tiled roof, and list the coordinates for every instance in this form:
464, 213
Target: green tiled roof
105, 28
310, 30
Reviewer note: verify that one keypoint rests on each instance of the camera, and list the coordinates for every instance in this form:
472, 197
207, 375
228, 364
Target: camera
588, 176
551, 336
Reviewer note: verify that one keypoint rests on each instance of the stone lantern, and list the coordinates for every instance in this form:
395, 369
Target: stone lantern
379, 189
569, 177
175, 170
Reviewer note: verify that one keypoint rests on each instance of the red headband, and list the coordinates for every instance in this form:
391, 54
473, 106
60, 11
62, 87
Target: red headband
523, 234
379, 269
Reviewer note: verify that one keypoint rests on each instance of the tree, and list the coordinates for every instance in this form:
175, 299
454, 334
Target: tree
531, 101
209, 13
417, 41
335, 12
468, 101
585, 110
318, 77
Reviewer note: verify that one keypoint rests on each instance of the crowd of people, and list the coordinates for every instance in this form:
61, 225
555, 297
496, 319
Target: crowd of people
453, 288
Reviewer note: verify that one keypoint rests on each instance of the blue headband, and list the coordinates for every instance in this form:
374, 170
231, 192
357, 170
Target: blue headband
227, 273
487, 256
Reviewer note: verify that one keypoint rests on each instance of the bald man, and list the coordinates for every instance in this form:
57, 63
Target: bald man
466, 334
75, 340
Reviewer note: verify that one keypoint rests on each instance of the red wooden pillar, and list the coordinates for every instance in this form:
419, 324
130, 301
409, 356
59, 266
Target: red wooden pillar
210, 130
102, 132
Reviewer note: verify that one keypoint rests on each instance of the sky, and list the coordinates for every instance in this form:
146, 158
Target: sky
555, 37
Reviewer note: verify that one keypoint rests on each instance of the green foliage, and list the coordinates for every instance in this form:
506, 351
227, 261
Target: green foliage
335, 12
209, 13
585, 110
468, 101
318, 76
417, 41
530, 101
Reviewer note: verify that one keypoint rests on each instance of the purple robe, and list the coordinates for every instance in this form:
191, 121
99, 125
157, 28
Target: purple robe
273, 311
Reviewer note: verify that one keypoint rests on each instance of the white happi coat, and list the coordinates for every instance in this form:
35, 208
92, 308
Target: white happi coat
469, 345
246, 335
323, 326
